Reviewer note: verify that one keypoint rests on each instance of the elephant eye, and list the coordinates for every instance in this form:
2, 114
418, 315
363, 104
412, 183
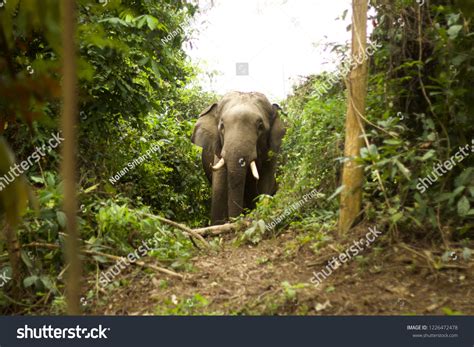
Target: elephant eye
260, 124
221, 126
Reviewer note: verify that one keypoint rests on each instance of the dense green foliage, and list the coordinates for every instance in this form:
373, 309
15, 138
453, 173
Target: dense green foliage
419, 114
135, 95
311, 151
422, 73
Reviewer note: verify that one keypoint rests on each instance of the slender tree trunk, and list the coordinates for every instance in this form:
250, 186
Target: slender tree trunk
68, 165
352, 177
13, 248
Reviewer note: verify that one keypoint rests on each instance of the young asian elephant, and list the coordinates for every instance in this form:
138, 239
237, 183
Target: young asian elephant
240, 137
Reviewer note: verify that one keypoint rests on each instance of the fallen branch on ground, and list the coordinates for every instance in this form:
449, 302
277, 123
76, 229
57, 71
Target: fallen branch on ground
187, 231
216, 229
105, 255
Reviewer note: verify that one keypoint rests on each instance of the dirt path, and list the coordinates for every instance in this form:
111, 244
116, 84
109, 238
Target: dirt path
274, 278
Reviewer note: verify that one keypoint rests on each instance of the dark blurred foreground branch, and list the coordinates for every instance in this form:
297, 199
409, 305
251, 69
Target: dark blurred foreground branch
68, 163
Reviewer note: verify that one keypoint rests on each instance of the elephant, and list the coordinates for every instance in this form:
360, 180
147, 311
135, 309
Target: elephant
240, 137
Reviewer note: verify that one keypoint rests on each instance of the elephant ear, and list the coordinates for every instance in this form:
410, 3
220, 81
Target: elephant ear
277, 130
205, 132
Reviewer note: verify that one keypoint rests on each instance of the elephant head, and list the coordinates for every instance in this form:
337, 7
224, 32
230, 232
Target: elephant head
240, 136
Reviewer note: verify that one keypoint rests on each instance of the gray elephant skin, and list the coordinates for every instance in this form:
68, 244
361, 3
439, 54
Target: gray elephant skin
240, 136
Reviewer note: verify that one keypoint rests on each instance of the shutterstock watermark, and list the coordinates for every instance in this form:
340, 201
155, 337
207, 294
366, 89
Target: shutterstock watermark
344, 257
17, 170
48, 332
347, 66
291, 209
121, 264
187, 23
134, 163
458, 157
4, 279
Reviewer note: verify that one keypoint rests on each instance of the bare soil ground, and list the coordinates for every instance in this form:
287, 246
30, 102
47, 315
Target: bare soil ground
273, 278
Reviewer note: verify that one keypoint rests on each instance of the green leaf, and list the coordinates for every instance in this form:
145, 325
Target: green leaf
373, 150
46, 282
50, 179
152, 22
465, 177
140, 21
26, 259
90, 189
396, 217
337, 192
457, 191
453, 31
444, 197
29, 281
37, 179
463, 206
448, 311
404, 170
466, 254
61, 217
261, 225
114, 21
392, 142
428, 155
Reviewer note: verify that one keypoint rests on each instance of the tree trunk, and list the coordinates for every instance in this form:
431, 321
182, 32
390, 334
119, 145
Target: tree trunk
352, 177
68, 165
13, 248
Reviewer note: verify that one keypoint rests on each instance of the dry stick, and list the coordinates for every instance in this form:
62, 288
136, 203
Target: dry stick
376, 126
105, 255
428, 260
188, 231
216, 229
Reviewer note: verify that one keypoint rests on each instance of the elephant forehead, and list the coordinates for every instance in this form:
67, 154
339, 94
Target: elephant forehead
245, 113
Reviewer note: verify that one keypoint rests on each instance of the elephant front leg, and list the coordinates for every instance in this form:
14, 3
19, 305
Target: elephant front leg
219, 210
267, 182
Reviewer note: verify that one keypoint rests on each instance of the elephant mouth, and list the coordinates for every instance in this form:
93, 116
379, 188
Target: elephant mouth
253, 166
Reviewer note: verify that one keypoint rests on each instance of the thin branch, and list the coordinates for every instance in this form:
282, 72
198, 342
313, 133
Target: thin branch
187, 231
216, 229
105, 255
373, 162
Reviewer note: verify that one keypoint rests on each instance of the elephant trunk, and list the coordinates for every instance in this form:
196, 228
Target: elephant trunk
238, 155
236, 174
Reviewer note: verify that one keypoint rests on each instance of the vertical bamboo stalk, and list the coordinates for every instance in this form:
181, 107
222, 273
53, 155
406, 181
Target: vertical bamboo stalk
68, 164
352, 177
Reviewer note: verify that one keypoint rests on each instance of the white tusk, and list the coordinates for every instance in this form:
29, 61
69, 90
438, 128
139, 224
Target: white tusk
219, 164
253, 167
